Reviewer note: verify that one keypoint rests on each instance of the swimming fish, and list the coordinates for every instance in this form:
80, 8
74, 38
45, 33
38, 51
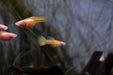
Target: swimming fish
102, 58
3, 27
30, 22
6, 36
56, 43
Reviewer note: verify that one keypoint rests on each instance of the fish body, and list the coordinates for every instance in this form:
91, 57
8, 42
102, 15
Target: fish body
6, 36
30, 22
56, 43
3, 27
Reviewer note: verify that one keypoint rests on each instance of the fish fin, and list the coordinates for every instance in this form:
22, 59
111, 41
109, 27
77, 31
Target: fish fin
42, 40
33, 17
39, 19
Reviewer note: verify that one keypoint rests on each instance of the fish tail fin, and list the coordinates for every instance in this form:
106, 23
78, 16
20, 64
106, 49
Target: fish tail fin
42, 40
39, 19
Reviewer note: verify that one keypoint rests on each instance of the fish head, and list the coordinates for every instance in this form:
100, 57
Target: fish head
102, 58
3, 27
21, 23
62, 43
12, 35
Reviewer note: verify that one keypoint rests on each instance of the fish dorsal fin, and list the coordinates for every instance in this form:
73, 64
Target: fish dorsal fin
39, 19
33, 17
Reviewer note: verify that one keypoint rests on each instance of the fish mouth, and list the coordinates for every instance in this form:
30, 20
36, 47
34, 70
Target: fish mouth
15, 35
6, 28
17, 23
62, 43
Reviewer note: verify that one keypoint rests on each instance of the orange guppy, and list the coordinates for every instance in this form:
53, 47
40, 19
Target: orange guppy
30, 22
6, 36
3, 27
56, 43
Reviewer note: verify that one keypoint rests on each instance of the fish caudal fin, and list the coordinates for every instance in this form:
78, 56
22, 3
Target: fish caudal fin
42, 40
39, 19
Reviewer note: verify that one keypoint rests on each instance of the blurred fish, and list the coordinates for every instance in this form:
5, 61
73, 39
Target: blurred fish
3, 27
6, 36
102, 58
30, 22
43, 41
